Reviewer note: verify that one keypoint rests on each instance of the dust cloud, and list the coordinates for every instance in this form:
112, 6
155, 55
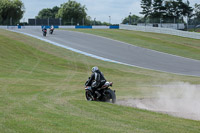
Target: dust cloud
178, 99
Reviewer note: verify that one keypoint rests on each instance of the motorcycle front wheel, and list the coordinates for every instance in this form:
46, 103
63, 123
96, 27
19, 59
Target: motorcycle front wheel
89, 96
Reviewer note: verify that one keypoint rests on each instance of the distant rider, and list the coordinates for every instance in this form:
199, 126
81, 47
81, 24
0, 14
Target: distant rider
52, 28
44, 28
97, 80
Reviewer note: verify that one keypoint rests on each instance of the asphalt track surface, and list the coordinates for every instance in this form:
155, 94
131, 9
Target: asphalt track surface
122, 52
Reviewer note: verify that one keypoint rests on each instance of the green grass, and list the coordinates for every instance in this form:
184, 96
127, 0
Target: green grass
180, 46
42, 90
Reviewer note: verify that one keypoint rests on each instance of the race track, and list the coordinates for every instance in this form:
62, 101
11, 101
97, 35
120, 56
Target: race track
122, 52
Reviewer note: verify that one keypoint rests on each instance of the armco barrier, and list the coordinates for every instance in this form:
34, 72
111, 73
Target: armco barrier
63, 27
48, 27
100, 27
114, 27
30, 27
161, 30
122, 26
3, 27
179, 26
22, 27
83, 27
67, 27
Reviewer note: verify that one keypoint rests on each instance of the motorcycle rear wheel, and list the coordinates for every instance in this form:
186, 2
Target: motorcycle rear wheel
110, 96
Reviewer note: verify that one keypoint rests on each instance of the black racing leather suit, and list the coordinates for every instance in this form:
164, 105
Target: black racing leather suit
97, 80
44, 28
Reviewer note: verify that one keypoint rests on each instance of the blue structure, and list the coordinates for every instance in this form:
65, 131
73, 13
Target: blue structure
114, 27
91, 27
48, 27
83, 27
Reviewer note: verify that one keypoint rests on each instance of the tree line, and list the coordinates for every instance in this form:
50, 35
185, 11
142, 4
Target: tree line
168, 11
71, 12
11, 11
196, 19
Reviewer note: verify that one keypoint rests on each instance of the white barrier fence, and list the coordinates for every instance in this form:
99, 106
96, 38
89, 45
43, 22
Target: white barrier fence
3, 27
161, 30
100, 27
67, 27
22, 27
179, 26
30, 27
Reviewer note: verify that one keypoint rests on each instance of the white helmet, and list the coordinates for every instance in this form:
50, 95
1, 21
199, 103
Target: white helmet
94, 69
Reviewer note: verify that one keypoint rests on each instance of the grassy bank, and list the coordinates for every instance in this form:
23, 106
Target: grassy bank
180, 46
42, 90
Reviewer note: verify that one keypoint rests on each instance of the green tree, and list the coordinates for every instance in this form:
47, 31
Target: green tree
158, 10
11, 11
106, 23
178, 9
134, 19
54, 11
88, 21
197, 11
167, 10
48, 13
187, 9
146, 6
172, 11
196, 20
72, 11
45, 13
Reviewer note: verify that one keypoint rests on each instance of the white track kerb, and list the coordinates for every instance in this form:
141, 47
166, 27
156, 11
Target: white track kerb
94, 56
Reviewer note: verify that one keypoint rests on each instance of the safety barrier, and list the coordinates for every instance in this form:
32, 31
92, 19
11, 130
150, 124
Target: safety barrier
114, 27
48, 27
100, 27
67, 27
161, 30
83, 27
121, 26
63, 27
3, 27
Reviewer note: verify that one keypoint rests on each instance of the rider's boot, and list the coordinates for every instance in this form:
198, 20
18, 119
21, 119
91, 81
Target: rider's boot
98, 94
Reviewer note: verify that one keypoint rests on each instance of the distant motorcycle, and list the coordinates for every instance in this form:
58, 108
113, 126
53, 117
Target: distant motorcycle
44, 32
51, 31
106, 94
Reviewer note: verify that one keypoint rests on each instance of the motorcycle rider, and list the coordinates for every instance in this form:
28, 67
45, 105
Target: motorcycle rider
52, 28
97, 80
44, 28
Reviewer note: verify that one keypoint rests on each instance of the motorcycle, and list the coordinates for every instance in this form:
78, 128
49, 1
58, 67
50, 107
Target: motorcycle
104, 94
51, 31
44, 32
